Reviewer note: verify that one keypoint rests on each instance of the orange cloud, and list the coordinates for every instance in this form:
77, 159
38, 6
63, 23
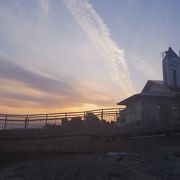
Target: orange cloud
23, 91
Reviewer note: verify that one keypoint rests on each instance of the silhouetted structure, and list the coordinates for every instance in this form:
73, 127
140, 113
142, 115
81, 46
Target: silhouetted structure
76, 121
91, 119
64, 122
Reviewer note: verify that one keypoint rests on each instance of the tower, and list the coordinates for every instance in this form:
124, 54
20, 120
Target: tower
171, 69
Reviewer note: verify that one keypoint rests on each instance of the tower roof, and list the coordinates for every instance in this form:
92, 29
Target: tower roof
171, 53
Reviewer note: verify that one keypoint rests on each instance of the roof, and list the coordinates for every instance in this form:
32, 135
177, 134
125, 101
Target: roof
153, 88
170, 53
157, 82
140, 95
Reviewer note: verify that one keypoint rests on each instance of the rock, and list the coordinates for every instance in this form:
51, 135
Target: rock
177, 154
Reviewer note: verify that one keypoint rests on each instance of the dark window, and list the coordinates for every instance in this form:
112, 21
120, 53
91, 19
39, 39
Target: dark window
174, 78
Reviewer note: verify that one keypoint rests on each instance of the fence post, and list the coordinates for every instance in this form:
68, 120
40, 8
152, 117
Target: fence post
102, 115
55, 120
5, 121
46, 118
119, 114
116, 117
84, 115
26, 121
101, 125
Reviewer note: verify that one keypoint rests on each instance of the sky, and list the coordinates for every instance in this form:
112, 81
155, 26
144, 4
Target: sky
74, 55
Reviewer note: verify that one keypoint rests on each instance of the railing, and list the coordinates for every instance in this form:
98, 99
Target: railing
16, 121
159, 118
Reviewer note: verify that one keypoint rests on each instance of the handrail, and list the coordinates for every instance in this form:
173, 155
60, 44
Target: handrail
11, 121
23, 115
116, 114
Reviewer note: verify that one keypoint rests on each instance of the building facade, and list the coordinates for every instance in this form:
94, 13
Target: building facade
158, 104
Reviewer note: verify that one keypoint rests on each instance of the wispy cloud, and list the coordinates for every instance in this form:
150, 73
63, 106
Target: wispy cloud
14, 72
143, 66
100, 36
44, 8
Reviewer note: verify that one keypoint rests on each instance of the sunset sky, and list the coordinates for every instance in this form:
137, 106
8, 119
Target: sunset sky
67, 55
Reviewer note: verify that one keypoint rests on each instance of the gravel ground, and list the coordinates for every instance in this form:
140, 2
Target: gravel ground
147, 166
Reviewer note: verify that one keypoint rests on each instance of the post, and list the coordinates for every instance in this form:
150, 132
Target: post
5, 121
102, 115
84, 115
26, 121
55, 120
119, 115
46, 118
116, 117
101, 125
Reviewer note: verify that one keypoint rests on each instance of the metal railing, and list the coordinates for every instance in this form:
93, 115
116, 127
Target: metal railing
154, 119
17, 121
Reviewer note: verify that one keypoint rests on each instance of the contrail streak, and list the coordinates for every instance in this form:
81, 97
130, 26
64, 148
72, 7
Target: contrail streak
99, 34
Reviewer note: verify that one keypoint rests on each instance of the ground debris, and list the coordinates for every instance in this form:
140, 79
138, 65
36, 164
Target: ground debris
95, 167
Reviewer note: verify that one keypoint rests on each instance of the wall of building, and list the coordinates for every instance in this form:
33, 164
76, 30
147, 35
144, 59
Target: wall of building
152, 111
158, 111
134, 112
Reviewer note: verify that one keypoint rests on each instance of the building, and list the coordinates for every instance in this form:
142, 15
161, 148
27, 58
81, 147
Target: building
159, 101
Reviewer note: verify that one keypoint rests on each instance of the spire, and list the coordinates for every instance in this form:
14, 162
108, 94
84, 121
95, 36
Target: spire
171, 69
171, 53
